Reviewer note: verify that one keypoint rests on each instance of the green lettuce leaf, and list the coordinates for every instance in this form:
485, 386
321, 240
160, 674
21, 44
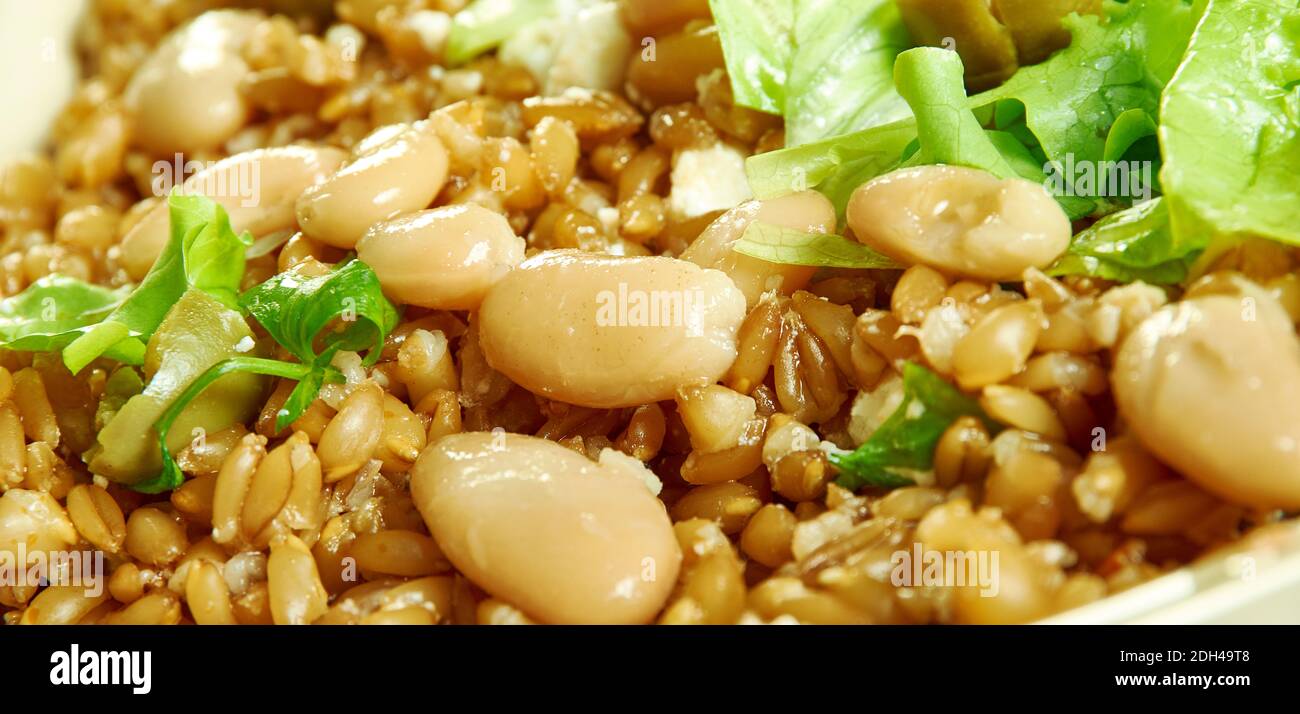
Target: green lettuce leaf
834, 167
346, 303
787, 246
199, 332
1072, 99
1129, 128
1230, 127
52, 312
909, 436
1064, 107
933, 83
1134, 244
203, 252
825, 65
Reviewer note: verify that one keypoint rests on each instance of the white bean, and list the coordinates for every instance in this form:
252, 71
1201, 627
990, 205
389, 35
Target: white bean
807, 211
185, 96
257, 188
396, 169
445, 258
1210, 385
960, 221
562, 538
605, 331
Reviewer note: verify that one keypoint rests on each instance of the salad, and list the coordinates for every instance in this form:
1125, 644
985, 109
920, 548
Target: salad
686, 312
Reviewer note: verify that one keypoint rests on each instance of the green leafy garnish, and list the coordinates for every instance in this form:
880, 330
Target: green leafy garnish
1072, 99
185, 323
909, 436
834, 167
1134, 244
203, 252
296, 308
1230, 127
1064, 107
825, 65
788, 246
931, 80
171, 475
52, 312
1129, 128
484, 24
198, 333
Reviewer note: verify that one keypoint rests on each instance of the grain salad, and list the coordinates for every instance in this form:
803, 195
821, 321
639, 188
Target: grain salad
677, 312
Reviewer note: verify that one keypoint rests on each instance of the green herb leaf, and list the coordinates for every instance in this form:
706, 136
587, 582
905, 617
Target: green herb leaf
203, 252
757, 44
52, 311
1167, 26
212, 256
825, 65
1134, 244
295, 308
909, 436
788, 246
171, 476
1229, 127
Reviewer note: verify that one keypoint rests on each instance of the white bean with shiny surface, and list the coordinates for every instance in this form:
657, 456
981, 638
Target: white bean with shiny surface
961, 221
806, 211
1211, 388
257, 188
605, 331
398, 168
546, 529
185, 96
445, 258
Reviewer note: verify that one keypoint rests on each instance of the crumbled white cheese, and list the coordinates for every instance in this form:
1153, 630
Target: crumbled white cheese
871, 408
533, 47
708, 179
583, 45
593, 54
432, 27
